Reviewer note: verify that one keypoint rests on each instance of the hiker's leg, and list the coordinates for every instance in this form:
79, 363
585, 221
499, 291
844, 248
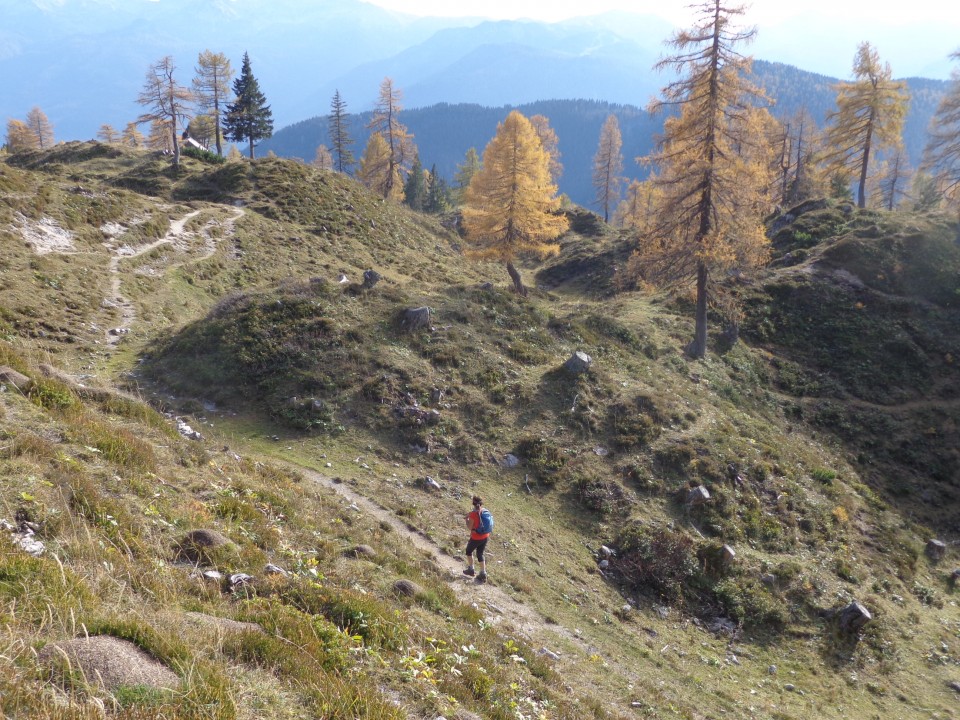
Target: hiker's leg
471, 546
481, 546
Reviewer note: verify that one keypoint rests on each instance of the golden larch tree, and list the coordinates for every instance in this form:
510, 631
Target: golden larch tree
607, 166
941, 157
386, 123
132, 135
376, 170
108, 134
511, 204
551, 144
869, 116
211, 88
323, 158
41, 128
711, 181
19, 136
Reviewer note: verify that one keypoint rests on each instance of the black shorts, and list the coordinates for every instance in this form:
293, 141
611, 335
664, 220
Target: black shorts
479, 546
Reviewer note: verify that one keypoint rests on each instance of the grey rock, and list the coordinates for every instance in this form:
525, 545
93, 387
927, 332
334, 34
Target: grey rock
606, 552
407, 588
9, 376
271, 569
698, 496
604, 564
789, 687
772, 670
363, 551
510, 461
954, 685
546, 652
578, 363
854, 617
936, 549
239, 580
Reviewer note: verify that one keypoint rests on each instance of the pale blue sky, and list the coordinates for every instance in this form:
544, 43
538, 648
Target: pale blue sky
915, 36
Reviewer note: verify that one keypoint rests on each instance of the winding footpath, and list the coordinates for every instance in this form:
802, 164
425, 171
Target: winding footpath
176, 233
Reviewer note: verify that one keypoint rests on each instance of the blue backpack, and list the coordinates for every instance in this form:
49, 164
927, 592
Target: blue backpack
486, 522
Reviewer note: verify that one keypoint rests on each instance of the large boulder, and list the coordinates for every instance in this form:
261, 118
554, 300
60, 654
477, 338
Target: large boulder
201, 546
109, 663
853, 618
9, 376
578, 363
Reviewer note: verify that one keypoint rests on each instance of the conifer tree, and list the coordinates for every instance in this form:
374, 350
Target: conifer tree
41, 128
20, 137
511, 204
465, 172
710, 198
415, 188
323, 158
108, 134
386, 123
132, 135
376, 170
869, 117
211, 87
941, 157
438, 195
166, 102
637, 210
551, 144
340, 140
607, 166
248, 117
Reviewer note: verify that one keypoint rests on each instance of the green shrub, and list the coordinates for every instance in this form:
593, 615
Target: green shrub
207, 156
661, 558
544, 459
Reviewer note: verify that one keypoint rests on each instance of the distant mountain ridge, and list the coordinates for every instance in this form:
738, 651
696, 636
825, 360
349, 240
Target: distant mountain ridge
84, 61
445, 131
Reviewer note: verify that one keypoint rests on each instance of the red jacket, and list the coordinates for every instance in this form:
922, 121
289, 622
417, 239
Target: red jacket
474, 517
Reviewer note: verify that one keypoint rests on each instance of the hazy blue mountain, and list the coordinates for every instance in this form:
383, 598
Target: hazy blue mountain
84, 61
443, 132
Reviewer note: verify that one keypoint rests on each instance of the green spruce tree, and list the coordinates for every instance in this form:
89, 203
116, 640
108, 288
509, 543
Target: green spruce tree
415, 188
248, 117
340, 140
438, 195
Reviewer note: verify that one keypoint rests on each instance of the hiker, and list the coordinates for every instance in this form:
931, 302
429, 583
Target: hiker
480, 524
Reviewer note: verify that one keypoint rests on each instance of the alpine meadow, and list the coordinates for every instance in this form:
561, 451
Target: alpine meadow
693, 362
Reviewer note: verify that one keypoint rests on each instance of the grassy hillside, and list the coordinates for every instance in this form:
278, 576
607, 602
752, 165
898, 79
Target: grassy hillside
826, 443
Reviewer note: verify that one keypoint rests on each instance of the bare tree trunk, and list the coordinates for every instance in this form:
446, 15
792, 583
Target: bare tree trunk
517, 280
698, 348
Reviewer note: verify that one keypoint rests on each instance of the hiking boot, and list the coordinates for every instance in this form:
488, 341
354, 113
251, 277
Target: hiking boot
482, 577
469, 571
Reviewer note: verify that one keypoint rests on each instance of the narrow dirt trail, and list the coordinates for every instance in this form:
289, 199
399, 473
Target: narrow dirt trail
488, 597
175, 234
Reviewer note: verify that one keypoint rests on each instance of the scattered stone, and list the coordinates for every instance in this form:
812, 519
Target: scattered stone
955, 577
546, 652
769, 579
626, 609
414, 319
789, 687
698, 496
221, 624
370, 278
722, 626
636, 704
436, 396
600, 451
462, 714
955, 686
9, 376
772, 670
110, 663
363, 551
406, 588
510, 461
271, 569
214, 575
239, 580
430, 484
187, 431
936, 549
853, 618
663, 611
726, 556
195, 545
603, 564
578, 363
606, 552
